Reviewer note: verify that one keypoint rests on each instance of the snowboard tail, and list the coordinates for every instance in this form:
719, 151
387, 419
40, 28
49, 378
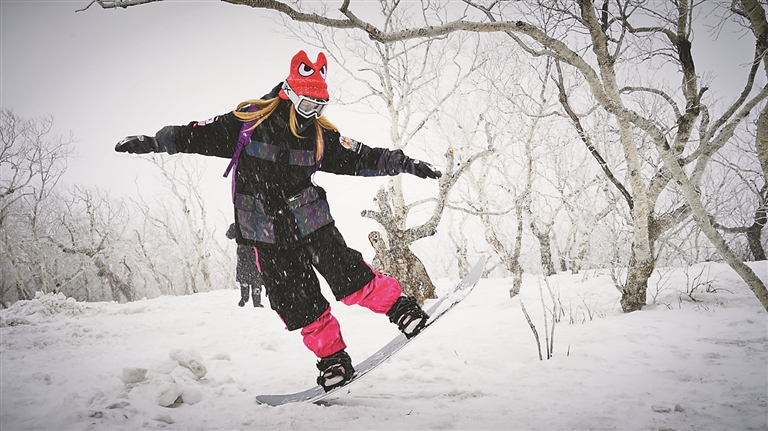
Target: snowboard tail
435, 312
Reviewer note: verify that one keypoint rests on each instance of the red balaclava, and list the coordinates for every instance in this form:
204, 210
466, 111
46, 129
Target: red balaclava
307, 78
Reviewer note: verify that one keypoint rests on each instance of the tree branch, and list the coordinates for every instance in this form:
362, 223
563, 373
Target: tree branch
657, 92
111, 4
563, 97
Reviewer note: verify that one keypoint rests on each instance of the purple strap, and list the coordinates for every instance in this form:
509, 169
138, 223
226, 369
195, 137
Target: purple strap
242, 141
256, 254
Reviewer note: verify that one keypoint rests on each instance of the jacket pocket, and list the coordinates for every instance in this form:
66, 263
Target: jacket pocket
254, 222
310, 210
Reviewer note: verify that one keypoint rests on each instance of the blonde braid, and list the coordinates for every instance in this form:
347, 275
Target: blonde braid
265, 109
320, 124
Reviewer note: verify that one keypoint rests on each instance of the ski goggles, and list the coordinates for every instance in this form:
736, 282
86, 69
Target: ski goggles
305, 105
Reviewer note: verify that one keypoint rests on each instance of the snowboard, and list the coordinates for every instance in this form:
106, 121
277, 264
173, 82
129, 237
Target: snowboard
435, 312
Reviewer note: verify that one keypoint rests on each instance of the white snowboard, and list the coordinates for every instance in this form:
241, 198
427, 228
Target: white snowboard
437, 310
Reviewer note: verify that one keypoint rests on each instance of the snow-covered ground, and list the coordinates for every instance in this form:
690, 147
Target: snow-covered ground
676, 365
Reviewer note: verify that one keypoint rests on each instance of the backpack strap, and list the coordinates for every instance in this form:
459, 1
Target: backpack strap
242, 140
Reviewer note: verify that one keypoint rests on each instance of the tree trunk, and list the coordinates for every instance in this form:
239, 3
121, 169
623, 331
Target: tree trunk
517, 269
761, 145
755, 231
754, 234
761, 142
545, 248
580, 255
583, 249
566, 255
14, 264
461, 247
634, 296
118, 286
412, 275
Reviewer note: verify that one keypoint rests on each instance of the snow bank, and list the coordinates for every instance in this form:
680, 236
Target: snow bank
44, 307
690, 361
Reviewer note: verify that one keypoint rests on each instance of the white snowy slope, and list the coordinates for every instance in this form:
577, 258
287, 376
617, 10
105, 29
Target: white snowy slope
197, 362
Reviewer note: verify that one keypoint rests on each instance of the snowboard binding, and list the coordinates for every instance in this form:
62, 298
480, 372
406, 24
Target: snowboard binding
335, 370
408, 316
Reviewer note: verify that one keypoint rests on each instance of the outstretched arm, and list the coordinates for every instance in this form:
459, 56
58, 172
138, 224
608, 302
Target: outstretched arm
346, 156
214, 137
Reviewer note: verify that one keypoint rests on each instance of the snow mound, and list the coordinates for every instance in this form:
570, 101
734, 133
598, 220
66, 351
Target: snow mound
44, 307
190, 360
174, 383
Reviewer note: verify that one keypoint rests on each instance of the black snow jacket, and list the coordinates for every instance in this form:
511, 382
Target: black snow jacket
275, 199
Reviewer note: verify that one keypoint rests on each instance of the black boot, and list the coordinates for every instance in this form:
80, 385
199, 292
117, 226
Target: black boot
256, 294
408, 316
244, 291
335, 370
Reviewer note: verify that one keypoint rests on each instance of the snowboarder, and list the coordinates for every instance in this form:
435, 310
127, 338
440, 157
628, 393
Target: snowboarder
247, 271
276, 144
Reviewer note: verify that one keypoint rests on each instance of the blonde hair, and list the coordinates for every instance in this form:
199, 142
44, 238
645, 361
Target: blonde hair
265, 108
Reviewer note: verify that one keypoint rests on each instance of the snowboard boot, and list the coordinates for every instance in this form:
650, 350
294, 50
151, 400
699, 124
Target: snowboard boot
244, 291
408, 316
335, 370
256, 294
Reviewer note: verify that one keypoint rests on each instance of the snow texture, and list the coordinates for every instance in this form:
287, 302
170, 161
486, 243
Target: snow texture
197, 362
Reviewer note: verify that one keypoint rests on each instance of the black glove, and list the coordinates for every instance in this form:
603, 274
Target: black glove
139, 144
420, 169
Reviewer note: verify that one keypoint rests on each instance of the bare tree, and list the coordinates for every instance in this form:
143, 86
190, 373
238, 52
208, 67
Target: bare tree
519, 186
543, 233
74, 240
610, 31
592, 220
541, 219
31, 165
92, 225
739, 201
401, 258
753, 232
31, 160
176, 243
52, 239
490, 200
459, 240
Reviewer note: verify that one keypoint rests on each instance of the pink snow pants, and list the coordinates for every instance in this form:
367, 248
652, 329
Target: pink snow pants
323, 336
